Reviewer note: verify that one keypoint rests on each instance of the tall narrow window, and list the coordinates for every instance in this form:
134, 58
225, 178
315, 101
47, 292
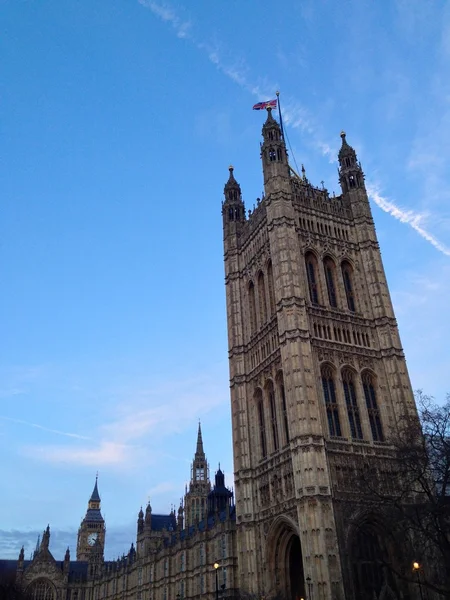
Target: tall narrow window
368, 557
330, 279
352, 405
347, 275
311, 271
282, 392
273, 414
372, 407
252, 306
262, 300
261, 422
271, 288
329, 396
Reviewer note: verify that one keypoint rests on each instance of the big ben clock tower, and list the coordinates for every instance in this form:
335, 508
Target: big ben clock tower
92, 529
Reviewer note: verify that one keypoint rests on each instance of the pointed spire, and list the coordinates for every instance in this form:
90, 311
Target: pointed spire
232, 189
45, 539
67, 555
270, 120
199, 451
38, 545
95, 496
148, 516
346, 149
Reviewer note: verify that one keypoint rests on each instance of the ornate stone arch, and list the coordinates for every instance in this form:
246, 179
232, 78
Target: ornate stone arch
283, 547
41, 589
371, 547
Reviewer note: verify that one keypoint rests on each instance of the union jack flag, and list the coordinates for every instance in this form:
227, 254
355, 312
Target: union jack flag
263, 105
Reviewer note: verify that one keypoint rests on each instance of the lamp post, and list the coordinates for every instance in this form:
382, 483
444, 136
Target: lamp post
416, 569
216, 567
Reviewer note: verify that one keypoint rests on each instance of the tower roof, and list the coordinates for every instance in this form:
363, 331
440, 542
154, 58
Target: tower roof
346, 149
199, 450
232, 185
95, 496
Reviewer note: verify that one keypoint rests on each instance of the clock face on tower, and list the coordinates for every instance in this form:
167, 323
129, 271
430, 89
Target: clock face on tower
92, 537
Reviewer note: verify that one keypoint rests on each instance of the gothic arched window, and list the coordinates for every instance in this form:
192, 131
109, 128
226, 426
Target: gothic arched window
252, 306
311, 271
262, 300
42, 589
279, 155
261, 422
372, 407
271, 288
352, 405
282, 393
272, 155
273, 414
347, 275
329, 396
330, 277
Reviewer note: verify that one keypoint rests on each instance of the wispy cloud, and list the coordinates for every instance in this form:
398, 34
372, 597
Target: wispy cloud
162, 488
167, 14
139, 419
41, 427
237, 70
410, 217
295, 114
107, 453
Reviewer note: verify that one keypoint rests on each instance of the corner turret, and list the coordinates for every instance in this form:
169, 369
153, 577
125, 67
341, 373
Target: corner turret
351, 175
220, 498
274, 156
233, 209
140, 522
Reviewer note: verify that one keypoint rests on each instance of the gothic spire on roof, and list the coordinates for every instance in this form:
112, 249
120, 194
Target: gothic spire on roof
346, 149
199, 451
95, 496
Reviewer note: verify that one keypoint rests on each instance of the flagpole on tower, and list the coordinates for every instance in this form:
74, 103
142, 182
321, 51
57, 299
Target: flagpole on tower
279, 114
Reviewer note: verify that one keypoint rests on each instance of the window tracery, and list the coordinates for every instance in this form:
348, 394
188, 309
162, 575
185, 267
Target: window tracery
347, 275
352, 404
252, 306
372, 407
330, 270
261, 422
311, 271
262, 299
42, 589
273, 414
282, 392
329, 395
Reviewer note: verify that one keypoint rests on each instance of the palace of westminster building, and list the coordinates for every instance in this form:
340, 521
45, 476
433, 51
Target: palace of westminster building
318, 385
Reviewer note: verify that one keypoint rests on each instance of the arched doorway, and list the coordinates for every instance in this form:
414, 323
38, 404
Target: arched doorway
372, 562
286, 560
296, 577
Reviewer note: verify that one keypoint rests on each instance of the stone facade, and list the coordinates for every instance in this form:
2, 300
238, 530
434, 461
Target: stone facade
318, 379
319, 386
173, 558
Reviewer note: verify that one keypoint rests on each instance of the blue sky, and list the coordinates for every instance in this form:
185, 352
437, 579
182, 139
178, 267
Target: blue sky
118, 122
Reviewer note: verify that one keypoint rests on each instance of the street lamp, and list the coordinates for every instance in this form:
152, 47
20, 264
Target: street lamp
416, 568
216, 567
